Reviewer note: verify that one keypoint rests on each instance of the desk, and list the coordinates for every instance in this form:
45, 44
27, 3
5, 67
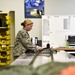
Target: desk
63, 48
60, 56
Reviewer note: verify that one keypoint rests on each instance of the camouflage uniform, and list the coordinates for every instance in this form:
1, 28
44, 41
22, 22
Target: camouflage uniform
22, 43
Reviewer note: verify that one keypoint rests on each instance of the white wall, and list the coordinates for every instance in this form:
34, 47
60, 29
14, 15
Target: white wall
18, 7
52, 7
59, 7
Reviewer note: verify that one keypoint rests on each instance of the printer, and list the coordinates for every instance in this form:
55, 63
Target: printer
71, 41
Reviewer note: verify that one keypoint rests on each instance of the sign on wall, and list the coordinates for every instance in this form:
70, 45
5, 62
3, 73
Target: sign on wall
33, 8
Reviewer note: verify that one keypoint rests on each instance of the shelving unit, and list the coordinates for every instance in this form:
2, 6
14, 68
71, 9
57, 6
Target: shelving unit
6, 38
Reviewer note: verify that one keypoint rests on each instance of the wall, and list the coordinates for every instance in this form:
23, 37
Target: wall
52, 7
18, 7
59, 7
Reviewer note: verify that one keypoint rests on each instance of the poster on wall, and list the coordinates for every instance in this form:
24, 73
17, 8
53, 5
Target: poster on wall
33, 8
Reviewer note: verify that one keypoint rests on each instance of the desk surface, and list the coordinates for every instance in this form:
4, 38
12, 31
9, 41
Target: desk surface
63, 48
60, 56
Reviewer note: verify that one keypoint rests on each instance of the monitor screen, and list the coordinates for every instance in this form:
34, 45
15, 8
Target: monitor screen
71, 38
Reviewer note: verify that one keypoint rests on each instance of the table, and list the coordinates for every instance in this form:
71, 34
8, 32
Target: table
63, 48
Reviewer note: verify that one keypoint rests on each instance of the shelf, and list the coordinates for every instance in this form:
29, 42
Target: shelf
3, 28
3, 13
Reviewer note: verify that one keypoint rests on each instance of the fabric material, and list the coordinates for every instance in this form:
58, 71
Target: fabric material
22, 43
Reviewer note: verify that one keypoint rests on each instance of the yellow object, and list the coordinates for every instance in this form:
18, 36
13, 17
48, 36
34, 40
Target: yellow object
3, 64
3, 46
11, 21
67, 47
7, 37
7, 47
7, 17
8, 57
8, 22
30, 38
8, 42
8, 26
3, 56
2, 36
3, 42
8, 32
8, 62
0, 48
8, 52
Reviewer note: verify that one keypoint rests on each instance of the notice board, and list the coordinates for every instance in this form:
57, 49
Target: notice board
56, 28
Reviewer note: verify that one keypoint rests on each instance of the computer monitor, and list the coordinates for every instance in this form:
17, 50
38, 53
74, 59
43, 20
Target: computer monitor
71, 39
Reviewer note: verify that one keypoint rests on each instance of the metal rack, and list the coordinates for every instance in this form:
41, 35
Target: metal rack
5, 39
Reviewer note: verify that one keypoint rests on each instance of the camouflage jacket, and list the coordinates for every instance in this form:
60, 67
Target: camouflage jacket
22, 43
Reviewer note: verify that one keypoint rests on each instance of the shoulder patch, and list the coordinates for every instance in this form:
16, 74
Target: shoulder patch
25, 36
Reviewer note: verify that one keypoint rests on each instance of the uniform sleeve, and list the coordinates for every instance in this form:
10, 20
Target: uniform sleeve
26, 42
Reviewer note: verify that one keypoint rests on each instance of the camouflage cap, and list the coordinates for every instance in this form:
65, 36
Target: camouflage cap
27, 21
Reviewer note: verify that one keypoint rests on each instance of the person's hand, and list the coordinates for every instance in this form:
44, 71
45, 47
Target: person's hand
39, 48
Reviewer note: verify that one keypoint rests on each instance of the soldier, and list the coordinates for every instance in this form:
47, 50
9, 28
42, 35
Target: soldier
23, 42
